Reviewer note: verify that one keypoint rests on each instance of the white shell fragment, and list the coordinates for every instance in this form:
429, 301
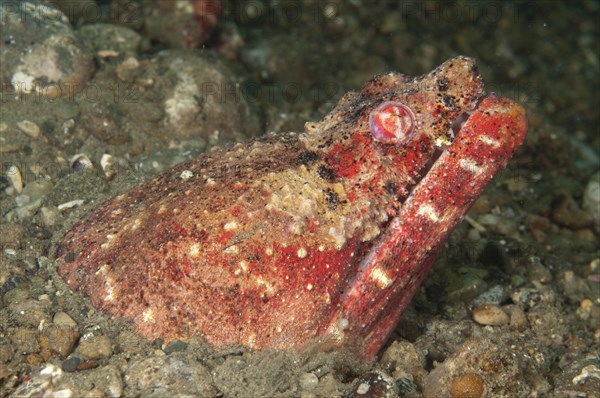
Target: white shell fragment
69, 204
16, 179
80, 162
30, 128
107, 162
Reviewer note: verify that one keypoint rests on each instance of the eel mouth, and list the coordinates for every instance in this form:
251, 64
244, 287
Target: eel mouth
459, 122
456, 126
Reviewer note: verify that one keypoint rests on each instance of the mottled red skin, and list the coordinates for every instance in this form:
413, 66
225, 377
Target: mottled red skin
298, 239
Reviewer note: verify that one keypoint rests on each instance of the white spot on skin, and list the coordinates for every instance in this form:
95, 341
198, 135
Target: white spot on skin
302, 253
243, 267
186, 175
210, 182
428, 211
343, 323
162, 209
251, 340
195, 250
148, 315
230, 226
233, 249
116, 213
381, 278
109, 241
489, 141
309, 286
270, 290
136, 223
269, 251
338, 235
470, 165
110, 294
103, 269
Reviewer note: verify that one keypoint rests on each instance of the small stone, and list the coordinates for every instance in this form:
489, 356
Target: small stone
30, 312
108, 379
537, 272
567, 213
575, 287
6, 352
49, 215
96, 347
403, 355
153, 376
46, 58
175, 346
374, 385
11, 234
518, 319
494, 295
591, 199
469, 385
30, 128
70, 364
85, 365
24, 339
59, 339
490, 314
63, 319
308, 381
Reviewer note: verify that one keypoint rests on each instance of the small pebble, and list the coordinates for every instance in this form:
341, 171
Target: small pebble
567, 213
591, 196
30, 128
59, 339
374, 385
49, 215
70, 364
30, 312
308, 381
85, 365
469, 385
490, 314
175, 346
518, 319
537, 272
63, 319
494, 295
96, 347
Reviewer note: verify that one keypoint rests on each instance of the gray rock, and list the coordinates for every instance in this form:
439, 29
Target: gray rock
105, 37
39, 52
95, 347
175, 374
30, 312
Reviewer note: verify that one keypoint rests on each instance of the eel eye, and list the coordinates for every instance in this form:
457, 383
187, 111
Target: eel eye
391, 123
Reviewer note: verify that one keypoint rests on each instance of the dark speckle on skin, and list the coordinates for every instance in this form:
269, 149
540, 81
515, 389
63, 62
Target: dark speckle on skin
326, 173
307, 157
332, 199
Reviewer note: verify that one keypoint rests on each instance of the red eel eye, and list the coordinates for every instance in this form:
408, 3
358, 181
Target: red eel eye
391, 123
